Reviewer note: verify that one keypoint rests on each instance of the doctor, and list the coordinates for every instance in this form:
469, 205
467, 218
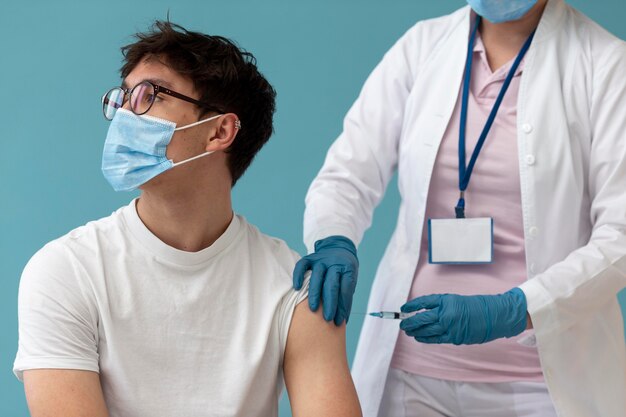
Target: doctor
506, 122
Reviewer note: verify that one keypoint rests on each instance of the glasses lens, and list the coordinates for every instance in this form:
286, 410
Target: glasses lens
112, 101
142, 97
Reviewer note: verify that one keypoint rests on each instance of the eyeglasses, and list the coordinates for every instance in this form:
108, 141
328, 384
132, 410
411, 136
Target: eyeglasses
142, 97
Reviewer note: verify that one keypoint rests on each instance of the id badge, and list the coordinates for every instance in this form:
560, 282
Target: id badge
460, 241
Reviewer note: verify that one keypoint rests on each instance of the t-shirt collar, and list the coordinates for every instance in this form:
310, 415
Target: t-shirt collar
170, 254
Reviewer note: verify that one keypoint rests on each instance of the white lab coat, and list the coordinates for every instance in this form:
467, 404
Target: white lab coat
571, 118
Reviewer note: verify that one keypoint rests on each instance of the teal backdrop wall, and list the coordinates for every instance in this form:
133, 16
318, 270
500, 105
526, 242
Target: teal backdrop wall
58, 57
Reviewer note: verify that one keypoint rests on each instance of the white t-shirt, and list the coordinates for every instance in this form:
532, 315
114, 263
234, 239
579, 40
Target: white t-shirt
172, 333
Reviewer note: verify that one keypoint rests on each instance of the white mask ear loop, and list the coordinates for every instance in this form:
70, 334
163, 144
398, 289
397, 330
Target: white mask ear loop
198, 123
191, 159
174, 164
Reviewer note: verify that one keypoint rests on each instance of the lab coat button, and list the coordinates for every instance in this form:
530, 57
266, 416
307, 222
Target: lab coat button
530, 159
527, 128
533, 231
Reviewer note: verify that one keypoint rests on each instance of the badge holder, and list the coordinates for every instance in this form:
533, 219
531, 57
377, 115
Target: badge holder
460, 241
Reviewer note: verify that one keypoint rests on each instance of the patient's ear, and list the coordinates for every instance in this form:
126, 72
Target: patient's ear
226, 128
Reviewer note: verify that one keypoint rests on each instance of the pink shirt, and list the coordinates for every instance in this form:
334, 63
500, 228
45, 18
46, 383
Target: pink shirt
494, 191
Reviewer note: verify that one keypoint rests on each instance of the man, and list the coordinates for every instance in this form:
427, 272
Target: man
173, 306
511, 278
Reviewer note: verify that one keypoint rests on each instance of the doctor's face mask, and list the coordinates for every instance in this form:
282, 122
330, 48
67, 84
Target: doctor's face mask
499, 11
135, 149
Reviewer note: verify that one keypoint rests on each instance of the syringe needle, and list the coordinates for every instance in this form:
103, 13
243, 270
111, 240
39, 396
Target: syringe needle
393, 315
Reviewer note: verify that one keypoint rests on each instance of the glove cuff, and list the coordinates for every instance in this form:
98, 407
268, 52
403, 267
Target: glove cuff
519, 306
340, 242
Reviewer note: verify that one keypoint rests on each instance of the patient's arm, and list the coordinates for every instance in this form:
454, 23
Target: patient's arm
316, 368
64, 393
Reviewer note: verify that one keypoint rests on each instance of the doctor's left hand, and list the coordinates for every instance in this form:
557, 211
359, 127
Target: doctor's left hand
335, 270
465, 319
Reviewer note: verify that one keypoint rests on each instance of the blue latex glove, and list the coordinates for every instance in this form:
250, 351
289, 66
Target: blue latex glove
466, 319
335, 269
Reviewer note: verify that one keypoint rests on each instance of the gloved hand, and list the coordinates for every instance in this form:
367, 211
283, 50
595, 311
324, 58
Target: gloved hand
335, 269
466, 320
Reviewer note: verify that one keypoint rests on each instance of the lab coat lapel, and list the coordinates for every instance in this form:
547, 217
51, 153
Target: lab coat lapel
439, 85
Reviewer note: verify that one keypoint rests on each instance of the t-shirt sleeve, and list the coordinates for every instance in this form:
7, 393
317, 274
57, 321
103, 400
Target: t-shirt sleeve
56, 312
289, 302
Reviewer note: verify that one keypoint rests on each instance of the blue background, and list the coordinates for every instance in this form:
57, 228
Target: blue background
58, 57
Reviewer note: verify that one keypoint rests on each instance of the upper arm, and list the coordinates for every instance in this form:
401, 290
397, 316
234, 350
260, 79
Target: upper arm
608, 151
64, 393
57, 356
316, 367
57, 315
361, 162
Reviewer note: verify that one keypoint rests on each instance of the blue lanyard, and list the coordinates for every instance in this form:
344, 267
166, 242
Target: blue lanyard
466, 173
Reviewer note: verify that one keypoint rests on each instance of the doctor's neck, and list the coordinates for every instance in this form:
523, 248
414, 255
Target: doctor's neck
504, 40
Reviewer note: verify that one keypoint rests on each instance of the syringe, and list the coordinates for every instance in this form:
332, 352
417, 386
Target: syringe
392, 315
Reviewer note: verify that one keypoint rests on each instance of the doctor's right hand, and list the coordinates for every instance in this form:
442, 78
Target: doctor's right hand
335, 269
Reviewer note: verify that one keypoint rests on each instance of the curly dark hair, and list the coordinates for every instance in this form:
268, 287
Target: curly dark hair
225, 76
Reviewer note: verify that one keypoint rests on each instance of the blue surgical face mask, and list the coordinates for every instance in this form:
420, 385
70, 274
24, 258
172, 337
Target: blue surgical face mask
499, 11
134, 149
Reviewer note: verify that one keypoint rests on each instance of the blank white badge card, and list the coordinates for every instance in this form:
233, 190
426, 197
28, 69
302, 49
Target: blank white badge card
460, 241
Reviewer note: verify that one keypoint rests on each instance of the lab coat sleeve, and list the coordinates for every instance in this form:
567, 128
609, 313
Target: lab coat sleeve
571, 290
362, 160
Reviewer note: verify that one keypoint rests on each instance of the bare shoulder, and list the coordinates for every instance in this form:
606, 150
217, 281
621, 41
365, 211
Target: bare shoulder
316, 367
309, 329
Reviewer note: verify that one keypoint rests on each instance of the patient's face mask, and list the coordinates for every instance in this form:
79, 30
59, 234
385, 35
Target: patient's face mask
499, 11
135, 149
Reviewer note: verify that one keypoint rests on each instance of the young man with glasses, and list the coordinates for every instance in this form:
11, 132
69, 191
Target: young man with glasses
173, 305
